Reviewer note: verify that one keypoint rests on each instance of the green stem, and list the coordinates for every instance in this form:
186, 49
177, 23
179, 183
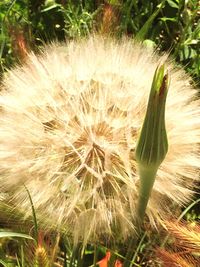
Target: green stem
130, 252
138, 247
95, 256
147, 179
36, 233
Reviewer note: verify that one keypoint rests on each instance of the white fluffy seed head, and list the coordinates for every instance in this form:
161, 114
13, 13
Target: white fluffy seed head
70, 119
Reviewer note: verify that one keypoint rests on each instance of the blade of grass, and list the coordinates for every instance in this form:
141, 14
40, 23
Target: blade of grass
4, 263
144, 30
138, 247
72, 258
13, 234
22, 256
34, 215
18, 264
95, 256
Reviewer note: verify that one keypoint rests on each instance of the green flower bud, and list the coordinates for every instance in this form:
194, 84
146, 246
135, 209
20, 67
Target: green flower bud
152, 144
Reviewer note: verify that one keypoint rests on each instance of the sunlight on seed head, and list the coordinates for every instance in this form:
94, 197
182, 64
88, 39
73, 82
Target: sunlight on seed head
70, 119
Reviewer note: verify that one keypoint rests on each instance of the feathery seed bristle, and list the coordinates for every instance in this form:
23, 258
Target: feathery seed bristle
70, 119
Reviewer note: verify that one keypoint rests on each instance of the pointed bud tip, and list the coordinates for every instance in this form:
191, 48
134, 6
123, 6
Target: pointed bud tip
152, 145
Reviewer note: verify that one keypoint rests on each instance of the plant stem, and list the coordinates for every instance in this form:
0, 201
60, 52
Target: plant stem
147, 179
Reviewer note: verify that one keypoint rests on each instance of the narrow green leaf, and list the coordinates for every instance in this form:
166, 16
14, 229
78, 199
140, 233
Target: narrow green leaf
173, 4
169, 19
34, 215
144, 30
12, 234
4, 263
50, 8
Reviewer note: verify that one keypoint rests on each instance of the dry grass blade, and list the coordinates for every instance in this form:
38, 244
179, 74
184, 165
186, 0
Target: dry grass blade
187, 237
41, 257
171, 259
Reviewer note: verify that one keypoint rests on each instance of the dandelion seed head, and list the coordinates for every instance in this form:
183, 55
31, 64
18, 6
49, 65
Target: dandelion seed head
70, 119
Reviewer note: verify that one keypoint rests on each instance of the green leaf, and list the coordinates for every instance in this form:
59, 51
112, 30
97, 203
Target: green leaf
168, 19
50, 8
173, 4
149, 43
34, 215
192, 42
144, 30
186, 53
7, 264
13, 234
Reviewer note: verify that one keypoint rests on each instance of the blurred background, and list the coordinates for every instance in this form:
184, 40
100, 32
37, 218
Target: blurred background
169, 25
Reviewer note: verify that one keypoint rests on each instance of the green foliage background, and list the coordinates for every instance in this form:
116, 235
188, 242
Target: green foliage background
170, 25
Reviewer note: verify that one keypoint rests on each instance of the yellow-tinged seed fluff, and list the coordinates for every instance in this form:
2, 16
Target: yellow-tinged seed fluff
70, 118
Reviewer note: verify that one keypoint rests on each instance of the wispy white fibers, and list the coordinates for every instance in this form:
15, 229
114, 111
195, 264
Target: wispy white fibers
70, 118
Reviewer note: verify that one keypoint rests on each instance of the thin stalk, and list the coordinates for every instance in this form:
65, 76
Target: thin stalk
111, 262
95, 256
22, 256
130, 252
71, 263
138, 247
147, 179
34, 216
80, 256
